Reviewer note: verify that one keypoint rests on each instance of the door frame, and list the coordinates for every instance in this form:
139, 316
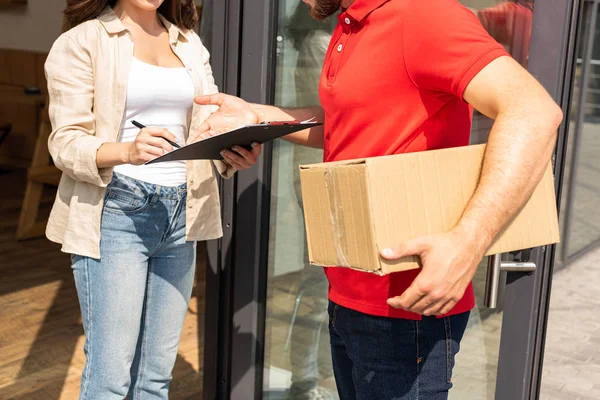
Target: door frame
242, 40
242, 60
527, 296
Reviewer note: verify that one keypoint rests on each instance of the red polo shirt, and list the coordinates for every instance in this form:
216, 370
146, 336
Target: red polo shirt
393, 82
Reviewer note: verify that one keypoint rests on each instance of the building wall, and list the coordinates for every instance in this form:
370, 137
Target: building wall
33, 27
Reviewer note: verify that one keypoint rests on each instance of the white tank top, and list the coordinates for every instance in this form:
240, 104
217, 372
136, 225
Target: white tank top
157, 97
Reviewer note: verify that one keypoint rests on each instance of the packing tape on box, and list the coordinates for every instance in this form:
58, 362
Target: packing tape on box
337, 221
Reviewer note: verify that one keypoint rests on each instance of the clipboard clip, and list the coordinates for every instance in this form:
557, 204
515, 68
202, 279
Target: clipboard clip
275, 123
294, 122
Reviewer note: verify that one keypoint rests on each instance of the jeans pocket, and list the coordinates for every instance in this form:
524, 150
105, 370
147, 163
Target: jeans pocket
123, 201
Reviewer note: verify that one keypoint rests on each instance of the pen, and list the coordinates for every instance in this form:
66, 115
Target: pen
137, 124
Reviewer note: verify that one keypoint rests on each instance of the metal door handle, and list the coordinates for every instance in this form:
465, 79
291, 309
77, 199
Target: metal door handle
492, 283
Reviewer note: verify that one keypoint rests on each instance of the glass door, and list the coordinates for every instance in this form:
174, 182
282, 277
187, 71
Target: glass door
297, 362
296, 349
266, 333
566, 372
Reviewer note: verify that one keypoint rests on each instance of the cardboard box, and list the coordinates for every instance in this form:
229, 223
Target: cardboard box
355, 208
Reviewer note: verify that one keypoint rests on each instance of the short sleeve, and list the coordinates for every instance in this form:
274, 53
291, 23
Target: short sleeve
445, 45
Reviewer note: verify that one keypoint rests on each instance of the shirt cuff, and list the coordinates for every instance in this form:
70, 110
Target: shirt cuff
225, 170
85, 168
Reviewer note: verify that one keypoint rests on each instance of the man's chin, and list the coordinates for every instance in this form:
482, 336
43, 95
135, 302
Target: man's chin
320, 12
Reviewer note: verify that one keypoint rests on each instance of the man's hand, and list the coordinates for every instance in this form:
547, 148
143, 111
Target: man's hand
233, 112
449, 263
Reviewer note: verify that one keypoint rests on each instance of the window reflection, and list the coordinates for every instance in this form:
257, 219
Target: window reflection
510, 24
297, 356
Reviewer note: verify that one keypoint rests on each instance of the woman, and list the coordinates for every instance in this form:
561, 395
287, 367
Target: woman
130, 227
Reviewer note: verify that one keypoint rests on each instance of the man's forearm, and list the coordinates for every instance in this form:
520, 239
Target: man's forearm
519, 148
309, 137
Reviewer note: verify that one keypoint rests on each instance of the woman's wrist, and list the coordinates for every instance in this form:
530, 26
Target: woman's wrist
113, 154
126, 152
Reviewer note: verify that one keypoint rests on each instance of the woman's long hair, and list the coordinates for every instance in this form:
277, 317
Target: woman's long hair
179, 12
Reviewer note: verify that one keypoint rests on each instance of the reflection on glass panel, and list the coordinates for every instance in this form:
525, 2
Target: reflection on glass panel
509, 22
297, 356
297, 360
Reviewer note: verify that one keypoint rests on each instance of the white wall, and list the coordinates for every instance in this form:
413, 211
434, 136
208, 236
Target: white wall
33, 27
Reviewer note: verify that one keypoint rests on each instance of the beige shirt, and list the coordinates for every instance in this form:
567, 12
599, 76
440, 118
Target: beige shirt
87, 71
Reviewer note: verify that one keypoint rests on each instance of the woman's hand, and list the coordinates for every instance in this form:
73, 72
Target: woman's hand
149, 144
240, 158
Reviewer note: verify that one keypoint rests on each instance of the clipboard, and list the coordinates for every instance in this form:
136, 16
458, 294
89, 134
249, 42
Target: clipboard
210, 148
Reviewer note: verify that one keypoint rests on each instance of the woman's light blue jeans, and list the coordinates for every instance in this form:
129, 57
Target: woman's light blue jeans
135, 298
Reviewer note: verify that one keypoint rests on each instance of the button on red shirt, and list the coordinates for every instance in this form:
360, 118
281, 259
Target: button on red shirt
393, 82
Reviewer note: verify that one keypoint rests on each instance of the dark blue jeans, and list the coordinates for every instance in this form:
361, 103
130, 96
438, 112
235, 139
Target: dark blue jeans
380, 358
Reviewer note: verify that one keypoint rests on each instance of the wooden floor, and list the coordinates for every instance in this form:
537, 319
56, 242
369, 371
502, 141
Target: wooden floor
41, 336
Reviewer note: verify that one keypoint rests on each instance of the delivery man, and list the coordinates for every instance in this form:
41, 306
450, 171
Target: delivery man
403, 76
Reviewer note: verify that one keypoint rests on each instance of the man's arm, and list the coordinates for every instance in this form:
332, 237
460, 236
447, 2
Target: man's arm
519, 147
309, 137
518, 151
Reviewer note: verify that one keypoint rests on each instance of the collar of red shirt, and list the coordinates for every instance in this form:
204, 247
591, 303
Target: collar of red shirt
361, 8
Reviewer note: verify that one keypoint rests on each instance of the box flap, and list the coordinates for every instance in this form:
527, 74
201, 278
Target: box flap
340, 230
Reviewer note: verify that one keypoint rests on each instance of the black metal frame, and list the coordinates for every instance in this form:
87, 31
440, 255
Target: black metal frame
527, 297
588, 45
242, 46
242, 58
222, 36
571, 37
252, 211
